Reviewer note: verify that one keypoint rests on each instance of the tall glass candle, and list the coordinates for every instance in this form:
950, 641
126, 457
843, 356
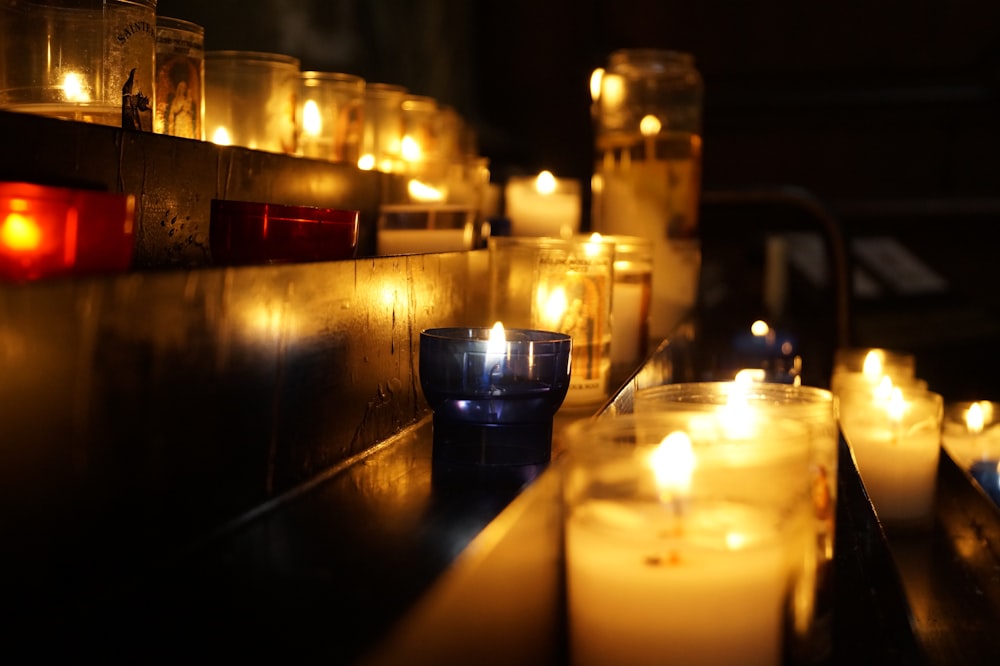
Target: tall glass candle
895, 436
684, 536
543, 205
559, 285
970, 433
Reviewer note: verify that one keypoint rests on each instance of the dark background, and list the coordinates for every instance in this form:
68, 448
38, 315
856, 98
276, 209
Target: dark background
887, 112
852, 99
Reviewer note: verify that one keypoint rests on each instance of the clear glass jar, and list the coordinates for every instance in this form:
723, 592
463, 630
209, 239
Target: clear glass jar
647, 172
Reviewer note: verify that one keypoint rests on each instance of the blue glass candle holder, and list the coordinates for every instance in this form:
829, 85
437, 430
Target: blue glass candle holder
493, 402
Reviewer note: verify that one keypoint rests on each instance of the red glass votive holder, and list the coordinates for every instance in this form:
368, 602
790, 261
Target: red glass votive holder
247, 232
48, 231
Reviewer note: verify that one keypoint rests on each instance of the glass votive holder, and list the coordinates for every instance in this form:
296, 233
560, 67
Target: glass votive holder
250, 100
813, 407
420, 228
559, 285
494, 393
678, 524
250, 232
180, 78
80, 60
970, 434
894, 434
50, 231
331, 109
543, 205
382, 138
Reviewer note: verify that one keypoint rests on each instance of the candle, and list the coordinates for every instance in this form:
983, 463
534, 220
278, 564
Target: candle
425, 227
51, 231
970, 433
249, 232
684, 537
494, 392
543, 205
630, 302
867, 365
814, 408
895, 436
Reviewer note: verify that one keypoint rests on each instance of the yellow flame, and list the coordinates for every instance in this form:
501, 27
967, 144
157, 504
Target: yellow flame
410, 149
873, 366
73, 88
650, 125
896, 406
545, 183
366, 162
312, 119
975, 417
554, 305
20, 232
749, 376
420, 191
498, 339
595, 83
673, 462
759, 328
221, 137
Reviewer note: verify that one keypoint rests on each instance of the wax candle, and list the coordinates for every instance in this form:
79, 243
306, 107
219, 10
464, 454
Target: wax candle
543, 205
425, 227
52, 231
814, 408
895, 436
869, 365
689, 529
970, 433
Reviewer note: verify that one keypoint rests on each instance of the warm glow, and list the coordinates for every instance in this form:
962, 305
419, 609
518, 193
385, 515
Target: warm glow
221, 137
673, 463
420, 191
545, 183
312, 119
976, 416
73, 88
736, 415
884, 388
649, 126
498, 340
873, 366
595, 83
736, 540
20, 233
896, 406
366, 162
760, 328
596, 237
612, 92
749, 376
554, 306
411, 150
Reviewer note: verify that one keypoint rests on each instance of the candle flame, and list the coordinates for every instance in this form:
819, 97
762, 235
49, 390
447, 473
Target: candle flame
498, 339
749, 376
366, 162
554, 306
545, 183
595, 83
759, 328
420, 191
896, 406
20, 232
976, 416
312, 119
673, 462
872, 367
73, 88
736, 540
650, 126
221, 137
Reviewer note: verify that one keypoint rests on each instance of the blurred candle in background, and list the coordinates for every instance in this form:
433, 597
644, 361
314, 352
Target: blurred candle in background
180, 78
543, 205
331, 111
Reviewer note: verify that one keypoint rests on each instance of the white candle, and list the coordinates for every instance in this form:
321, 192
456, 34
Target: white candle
543, 205
896, 441
636, 598
424, 227
971, 432
697, 569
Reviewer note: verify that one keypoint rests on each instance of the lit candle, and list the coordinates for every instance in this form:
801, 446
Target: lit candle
682, 545
494, 392
543, 205
49, 231
970, 433
866, 366
895, 435
425, 227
